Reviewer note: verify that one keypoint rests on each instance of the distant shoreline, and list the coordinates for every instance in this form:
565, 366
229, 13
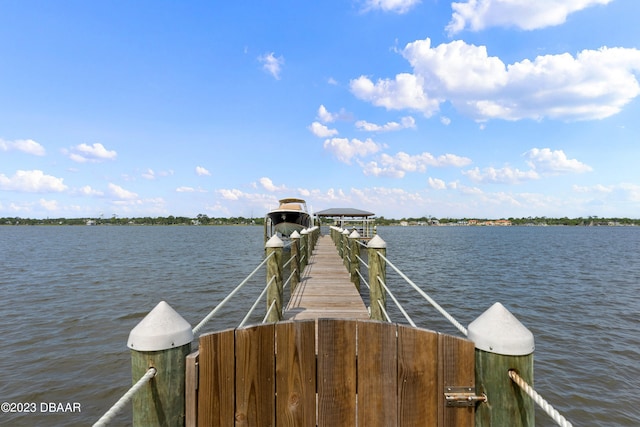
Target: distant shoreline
203, 220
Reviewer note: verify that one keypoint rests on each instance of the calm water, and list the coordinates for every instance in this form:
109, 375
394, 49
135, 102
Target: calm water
70, 296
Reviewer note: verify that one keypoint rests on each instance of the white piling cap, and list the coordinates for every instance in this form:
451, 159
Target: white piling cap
498, 331
377, 242
345, 231
162, 329
304, 231
354, 235
274, 242
295, 234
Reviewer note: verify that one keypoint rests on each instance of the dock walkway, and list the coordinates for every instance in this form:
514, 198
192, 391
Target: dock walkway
325, 289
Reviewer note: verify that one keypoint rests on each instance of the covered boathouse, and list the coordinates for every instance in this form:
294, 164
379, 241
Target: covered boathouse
350, 218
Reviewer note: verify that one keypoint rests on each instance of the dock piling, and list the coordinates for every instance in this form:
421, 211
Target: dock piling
354, 263
162, 340
274, 271
502, 344
377, 269
295, 263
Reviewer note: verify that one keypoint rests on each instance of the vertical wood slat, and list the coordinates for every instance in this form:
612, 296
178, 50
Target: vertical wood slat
363, 374
296, 373
255, 382
377, 374
417, 377
216, 390
191, 390
456, 360
336, 372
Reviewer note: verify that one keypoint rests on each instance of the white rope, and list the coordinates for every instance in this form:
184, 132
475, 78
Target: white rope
288, 262
255, 304
427, 297
384, 311
363, 279
546, 407
285, 284
119, 405
362, 261
406, 315
273, 303
228, 297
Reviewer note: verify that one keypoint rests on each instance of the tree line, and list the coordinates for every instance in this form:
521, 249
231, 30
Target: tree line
202, 219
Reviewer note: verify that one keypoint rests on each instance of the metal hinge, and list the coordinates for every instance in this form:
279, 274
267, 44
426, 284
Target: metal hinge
462, 396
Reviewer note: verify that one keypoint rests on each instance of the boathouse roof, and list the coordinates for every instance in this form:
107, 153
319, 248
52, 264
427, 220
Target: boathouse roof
351, 212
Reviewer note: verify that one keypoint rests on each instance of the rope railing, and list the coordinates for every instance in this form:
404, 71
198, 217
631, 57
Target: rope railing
212, 313
288, 262
286, 283
539, 400
437, 306
120, 404
363, 280
266, 316
257, 301
384, 311
402, 310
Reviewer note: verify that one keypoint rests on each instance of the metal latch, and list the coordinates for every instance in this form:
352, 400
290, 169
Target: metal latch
462, 396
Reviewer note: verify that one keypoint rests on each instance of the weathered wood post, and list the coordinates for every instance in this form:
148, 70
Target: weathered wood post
346, 249
304, 249
502, 343
377, 268
354, 265
316, 235
295, 260
274, 272
310, 244
161, 340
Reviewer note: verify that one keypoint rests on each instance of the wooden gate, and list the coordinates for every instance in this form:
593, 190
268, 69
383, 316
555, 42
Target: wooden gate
330, 373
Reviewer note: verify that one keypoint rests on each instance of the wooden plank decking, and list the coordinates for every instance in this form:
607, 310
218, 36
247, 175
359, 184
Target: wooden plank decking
325, 289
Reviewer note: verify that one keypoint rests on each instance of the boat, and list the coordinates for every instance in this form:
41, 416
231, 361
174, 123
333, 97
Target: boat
291, 215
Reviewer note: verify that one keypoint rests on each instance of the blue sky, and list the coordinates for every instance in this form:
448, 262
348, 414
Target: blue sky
405, 108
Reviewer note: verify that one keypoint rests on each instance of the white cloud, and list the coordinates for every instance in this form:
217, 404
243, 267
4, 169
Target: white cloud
49, 205
592, 85
232, 194
405, 123
395, 6
546, 161
268, 185
599, 188
505, 175
542, 162
322, 131
185, 189
437, 184
271, 64
33, 181
121, 193
149, 174
90, 153
87, 190
325, 116
200, 171
345, 150
398, 165
477, 15
405, 92
28, 146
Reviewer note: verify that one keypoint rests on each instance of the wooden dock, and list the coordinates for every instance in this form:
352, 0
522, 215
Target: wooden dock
325, 289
